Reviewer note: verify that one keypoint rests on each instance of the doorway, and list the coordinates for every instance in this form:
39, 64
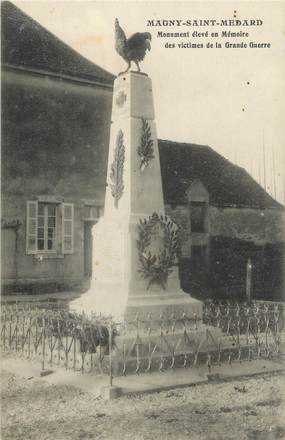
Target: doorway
88, 249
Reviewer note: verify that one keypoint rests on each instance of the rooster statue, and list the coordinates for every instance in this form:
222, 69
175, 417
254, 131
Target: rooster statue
133, 48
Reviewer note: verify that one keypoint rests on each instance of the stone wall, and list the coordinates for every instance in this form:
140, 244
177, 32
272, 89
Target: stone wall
257, 226
245, 224
235, 234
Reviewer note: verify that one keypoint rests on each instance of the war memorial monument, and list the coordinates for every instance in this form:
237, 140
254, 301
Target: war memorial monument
135, 245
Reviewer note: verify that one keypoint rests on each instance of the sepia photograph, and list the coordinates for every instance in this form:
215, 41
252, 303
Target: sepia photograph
142, 220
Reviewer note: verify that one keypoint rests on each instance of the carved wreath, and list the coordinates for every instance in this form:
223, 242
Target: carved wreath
145, 150
117, 169
157, 268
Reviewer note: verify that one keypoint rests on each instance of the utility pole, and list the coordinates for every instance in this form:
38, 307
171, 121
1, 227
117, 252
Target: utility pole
248, 281
274, 173
251, 168
235, 158
264, 166
259, 172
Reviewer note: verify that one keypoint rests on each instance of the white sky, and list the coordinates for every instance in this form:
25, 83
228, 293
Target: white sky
199, 94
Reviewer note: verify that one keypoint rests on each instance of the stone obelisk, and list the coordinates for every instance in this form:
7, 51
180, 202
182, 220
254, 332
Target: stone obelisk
133, 193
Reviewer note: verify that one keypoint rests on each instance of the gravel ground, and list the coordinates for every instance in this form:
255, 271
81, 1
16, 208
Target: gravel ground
251, 408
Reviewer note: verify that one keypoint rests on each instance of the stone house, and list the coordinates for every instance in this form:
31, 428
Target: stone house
56, 110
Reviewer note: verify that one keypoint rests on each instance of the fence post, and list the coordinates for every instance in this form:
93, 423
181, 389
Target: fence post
248, 281
110, 354
74, 347
4, 332
111, 391
43, 344
16, 331
10, 331
29, 337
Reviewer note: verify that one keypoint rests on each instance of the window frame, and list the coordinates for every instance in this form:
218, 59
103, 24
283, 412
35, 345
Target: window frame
64, 234
29, 234
45, 250
193, 221
99, 212
59, 249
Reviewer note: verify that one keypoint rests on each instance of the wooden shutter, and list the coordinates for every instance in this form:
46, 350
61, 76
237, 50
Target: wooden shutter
32, 227
67, 228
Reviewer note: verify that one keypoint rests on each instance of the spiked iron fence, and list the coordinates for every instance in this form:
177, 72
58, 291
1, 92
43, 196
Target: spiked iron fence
56, 337
229, 333
256, 317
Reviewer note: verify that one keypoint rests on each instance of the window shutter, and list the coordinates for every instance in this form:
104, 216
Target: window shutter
67, 228
32, 227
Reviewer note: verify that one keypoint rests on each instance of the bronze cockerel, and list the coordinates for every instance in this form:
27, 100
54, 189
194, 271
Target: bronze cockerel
133, 48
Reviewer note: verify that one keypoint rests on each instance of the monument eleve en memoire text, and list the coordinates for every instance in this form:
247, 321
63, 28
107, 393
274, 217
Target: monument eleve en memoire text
135, 244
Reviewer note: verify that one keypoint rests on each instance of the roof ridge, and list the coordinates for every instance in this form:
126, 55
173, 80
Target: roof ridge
184, 143
101, 72
229, 183
206, 147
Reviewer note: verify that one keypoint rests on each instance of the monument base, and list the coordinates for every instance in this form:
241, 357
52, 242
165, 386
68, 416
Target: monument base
142, 346
116, 300
107, 299
168, 303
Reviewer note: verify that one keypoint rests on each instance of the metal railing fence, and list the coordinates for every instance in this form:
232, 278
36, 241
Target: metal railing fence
228, 333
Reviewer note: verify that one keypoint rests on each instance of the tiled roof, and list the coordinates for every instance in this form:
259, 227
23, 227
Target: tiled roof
25, 43
227, 184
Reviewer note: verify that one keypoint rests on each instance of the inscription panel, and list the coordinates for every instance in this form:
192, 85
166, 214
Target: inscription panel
108, 254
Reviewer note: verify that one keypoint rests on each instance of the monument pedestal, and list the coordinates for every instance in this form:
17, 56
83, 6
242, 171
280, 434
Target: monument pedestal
175, 303
115, 299
122, 253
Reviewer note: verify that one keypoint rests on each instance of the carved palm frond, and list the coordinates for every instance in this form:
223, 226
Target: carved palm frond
117, 169
145, 150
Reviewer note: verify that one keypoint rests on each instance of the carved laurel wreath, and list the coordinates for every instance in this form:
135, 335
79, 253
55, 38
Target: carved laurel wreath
117, 169
145, 150
157, 268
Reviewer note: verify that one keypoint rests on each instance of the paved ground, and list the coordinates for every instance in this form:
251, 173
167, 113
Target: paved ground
252, 409
141, 383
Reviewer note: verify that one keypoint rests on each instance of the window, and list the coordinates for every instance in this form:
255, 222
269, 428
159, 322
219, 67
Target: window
67, 228
198, 214
49, 227
32, 226
92, 212
46, 237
